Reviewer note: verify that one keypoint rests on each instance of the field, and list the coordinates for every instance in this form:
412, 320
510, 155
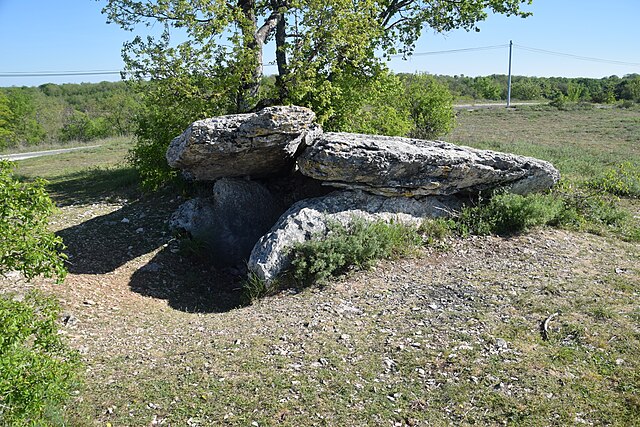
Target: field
535, 329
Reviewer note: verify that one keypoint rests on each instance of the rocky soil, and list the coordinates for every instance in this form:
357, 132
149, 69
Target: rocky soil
159, 330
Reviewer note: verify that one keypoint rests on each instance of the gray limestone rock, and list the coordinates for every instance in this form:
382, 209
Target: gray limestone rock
255, 144
229, 223
309, 217
394, 166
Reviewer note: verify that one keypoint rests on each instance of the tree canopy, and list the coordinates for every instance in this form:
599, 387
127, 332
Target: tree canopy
316, 42
206, 57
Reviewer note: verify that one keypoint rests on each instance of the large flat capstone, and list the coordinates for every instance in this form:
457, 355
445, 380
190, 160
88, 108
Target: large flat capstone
393, 166
256, 144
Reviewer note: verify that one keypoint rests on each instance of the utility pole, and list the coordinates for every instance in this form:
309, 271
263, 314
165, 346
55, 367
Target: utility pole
509, 82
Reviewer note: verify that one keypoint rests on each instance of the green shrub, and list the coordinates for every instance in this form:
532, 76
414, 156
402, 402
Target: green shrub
624, 180
168, 107
588, 211
360, 244
507, 214
37, 370
26, 245
436, 229
430, 107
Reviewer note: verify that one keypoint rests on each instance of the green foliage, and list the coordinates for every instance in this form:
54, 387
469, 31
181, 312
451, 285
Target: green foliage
254, 288
430, 106
525, 90
566, 207
624, 180
6, 119
80, 127
487, 88
26, 244
164, 116
574, 91
629, 89
377, 108
24, 125
360, 244
508, 213
37, 369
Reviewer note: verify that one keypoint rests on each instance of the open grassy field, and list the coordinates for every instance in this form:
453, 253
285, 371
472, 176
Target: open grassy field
538, 329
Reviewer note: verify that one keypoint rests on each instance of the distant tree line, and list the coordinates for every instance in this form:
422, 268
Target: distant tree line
398, 104
602, 91
53, 113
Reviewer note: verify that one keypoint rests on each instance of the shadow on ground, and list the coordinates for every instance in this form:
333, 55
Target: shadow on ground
187, 284
104, 243
93, 186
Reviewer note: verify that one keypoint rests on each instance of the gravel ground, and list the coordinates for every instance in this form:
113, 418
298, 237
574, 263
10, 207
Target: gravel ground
159, 331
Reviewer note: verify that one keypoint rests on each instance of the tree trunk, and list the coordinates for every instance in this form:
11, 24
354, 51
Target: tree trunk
281, 60
251, 76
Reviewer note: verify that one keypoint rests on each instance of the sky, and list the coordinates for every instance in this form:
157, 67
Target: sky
72, 35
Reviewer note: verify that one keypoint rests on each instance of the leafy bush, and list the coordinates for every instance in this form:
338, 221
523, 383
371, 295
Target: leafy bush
624, 180
360, 244
430, 107
37, 370
168, 107
26, 244
525, 90
507, 214
487, 88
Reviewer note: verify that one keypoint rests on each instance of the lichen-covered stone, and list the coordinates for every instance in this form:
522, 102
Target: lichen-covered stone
255, 144
394, 166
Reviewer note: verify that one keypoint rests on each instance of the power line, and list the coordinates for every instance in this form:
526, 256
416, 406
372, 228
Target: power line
441, 52
267, 64
55, 73
272, 63
582, 58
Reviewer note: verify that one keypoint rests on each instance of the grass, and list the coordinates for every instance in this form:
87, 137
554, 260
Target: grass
451, 337
85, 176
583, 144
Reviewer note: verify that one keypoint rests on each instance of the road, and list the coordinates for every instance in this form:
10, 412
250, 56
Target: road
492, 105
23, 156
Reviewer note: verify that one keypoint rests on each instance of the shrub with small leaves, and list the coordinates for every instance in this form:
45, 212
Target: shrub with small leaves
37, 369
26, 245
360, 244
624, 180
509, 214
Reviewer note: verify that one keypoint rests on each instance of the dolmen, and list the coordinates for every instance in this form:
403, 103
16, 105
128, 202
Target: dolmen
276, 179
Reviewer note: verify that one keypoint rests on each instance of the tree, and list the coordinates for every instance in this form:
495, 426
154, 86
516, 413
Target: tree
487, 88
319, 46
6, 119
25, 126
430, 107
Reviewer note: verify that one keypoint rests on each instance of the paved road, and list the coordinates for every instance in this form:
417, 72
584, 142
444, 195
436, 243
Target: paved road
492, 105
22, 156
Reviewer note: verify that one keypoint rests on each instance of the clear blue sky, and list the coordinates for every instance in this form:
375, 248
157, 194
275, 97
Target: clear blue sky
72, 35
